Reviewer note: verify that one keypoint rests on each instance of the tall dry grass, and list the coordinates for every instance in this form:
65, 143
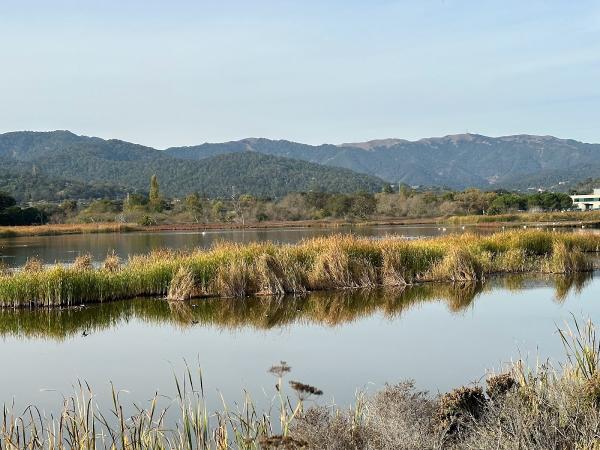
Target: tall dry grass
58, 229
326, 263
528, 217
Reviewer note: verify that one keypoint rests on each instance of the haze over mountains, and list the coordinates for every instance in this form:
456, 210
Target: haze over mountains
272, 168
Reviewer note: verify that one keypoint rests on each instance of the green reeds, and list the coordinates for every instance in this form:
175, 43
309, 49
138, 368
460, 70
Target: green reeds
327, 263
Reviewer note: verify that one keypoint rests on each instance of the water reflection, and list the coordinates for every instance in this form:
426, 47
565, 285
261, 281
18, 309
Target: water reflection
330, 309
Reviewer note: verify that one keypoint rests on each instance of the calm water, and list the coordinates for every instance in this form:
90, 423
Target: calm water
440, 335
64, 249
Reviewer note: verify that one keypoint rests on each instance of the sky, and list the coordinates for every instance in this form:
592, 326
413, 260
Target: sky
170, 73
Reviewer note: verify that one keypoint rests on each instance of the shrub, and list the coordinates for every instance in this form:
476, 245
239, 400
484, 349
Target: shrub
459, 407
500, 385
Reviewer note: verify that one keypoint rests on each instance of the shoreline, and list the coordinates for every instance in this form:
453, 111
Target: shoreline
454, 221
320, 264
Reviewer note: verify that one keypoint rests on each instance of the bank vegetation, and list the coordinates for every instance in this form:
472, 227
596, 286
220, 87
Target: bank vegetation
320, 264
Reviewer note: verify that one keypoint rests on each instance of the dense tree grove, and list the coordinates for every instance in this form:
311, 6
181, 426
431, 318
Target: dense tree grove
11, 214
241, 209
400, 202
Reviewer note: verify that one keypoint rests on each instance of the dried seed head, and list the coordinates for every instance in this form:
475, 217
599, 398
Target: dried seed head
112, 263
281, 369
282, 442
83, 262
4, 269
304, 391
33, 265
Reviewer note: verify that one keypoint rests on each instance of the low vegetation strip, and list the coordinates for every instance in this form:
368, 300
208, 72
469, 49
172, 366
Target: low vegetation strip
60, 229
547, 217
336, 262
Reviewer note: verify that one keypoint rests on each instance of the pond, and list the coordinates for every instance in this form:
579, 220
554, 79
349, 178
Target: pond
64, 249
440, 335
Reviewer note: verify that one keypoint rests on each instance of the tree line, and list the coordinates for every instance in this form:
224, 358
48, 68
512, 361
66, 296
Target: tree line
405, 202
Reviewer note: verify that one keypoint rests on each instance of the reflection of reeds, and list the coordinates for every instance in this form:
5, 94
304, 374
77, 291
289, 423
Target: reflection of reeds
262, 312
336, 262
523, 408
570, 283
181, 313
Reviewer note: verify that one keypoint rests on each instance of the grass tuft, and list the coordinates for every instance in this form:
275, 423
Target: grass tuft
112, 263
83, 262
182, 286
33, 265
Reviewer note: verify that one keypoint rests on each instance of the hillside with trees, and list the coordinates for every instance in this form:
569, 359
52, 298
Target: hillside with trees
94, 164
272, 168
455, 161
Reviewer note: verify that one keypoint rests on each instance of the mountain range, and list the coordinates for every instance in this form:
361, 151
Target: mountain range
62, 156
456, 161
271, 168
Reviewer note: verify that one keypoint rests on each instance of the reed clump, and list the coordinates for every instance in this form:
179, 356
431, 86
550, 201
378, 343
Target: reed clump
112, 263
61, 229
460, 265
4, 269
335, 262
83, 262
33, 265
566, 258
182, 286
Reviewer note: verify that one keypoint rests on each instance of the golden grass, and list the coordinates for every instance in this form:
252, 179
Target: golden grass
325, 263
112, 263
526, 217
182, 286
57, 229
83, 262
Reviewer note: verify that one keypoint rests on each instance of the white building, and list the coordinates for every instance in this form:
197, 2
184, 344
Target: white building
586, 202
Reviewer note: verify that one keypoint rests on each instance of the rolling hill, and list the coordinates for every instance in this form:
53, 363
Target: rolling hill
62, 155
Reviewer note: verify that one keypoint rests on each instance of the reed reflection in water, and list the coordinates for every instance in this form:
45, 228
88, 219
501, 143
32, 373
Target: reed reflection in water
264, 313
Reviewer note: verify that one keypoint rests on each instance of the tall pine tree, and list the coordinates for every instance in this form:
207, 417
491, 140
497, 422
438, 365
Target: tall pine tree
154, 197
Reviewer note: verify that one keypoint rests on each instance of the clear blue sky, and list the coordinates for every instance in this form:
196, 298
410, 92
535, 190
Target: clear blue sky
180, 72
